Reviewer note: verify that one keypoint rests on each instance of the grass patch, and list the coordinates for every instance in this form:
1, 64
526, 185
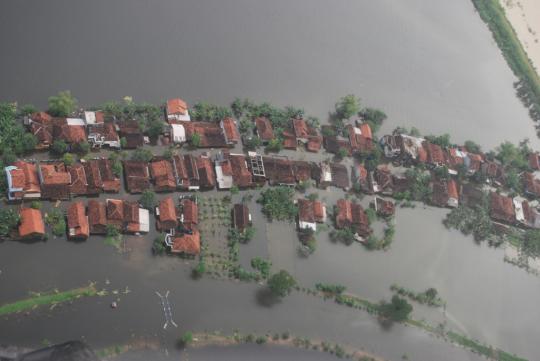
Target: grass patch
51, 298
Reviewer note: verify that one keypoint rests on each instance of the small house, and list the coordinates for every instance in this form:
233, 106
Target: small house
383, 207
97, 217
78, 227
279, 171
178, 133
94, 182
241, 217
136, 175
31, 225
103, 134
22, 181
55, 181
264, 129
190, 214
79, 183
207, 177
110, 182
166, 214
310, 213
188, 244
230, 130
163, 175
177, 110
502, 208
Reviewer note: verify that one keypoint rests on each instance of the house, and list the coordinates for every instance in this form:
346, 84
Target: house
207, 177
362, 178
360, 138
241, 217
127, 216
340, 176
352, 215
310, 213
55, 181
94, 182
78, 227
97, 217
333, 144
178, 133
210, 134
163, 175
223, 169
502, 208
166, 214
435, 154
439, 193
493, 172
412, 149
110, 182
471, 195
186, 172
230, 131
70, 130
79, 184
384, 207
31, 224
391, 145
289, 140
531, 185
453, 195
473, 163
303, 171
382, 181
324, 177
242, 177
279, 171
264, 130
43, 133
456, 160
39, 117
188, 244
534, 160
177, 110
530, 214
22, 181
190, 214
131, 132
103, 134
256, 166
91, 118
136, 175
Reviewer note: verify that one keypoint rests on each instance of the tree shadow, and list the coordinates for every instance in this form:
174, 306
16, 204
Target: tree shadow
266, 298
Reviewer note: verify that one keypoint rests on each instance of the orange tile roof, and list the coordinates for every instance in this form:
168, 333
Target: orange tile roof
115, 211
344, 213
31, 222
300, 128
176, 106
97, 216
55, 174
190, 211
163, 175
167, 211
366, 130
264, 128
40, 117
77, 221
187, 243
452, 189
79, 182
230, 129
18, 180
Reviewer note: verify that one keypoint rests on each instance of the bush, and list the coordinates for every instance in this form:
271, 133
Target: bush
8, 221
260, 340
397, 310
148, 199
347, 106
277, 203
68, 159
142, 155
159, 244
261, 265
330, 288
56, 220
62, 104
345, 236
186, 339
59, 147
281, 283
35, 205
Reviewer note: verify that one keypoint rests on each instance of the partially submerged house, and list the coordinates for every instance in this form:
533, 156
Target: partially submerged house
31, 225
470, 195
502, 208
207, 177
79, 183
230, 130
264, 130
97, 217
94, 182
55, 181
177, 110
493, 172
362, 177
210, 134
132, 134
224, 173
110, 182
167, 217
360, 138
383, 207
94, 117
103, 134
382, 180
534, 160
136, 175
436, 157
531, 185
77, 222
188, 244
392, 145
186, 172
279, 171
178, 133
303, 171
163, 175
445, 193
189, 215
340, 176
70, 130
22, 181
306, 135
352, 215
241, 218
242, 177
310, 212
127, 216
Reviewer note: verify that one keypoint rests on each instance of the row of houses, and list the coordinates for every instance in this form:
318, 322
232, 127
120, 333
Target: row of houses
54, 180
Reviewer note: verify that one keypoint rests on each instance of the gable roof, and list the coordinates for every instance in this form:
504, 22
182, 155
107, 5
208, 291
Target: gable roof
137, 176
167, 210
54, 173
264, 128
300, 128
31, 222
97, 216
79, 183
502, 208
230, 130
77, 221
190, 213
163, 175
187, 243
241, 216
177, 106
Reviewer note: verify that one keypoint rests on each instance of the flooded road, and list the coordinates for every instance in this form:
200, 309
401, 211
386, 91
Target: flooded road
429, 64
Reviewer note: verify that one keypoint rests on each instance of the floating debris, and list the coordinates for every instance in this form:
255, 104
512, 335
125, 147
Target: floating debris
114, 304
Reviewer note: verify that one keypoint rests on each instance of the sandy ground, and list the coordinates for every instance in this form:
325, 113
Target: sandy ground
524, 15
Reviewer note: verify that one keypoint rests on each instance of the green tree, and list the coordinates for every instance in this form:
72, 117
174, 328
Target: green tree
261, 265
159, 244
59, 147
277, 203
275, 145
28, 142
35, 205
345, 236
472, 147
347, 106
82, 147
68, 159
142, 155
8, 221
374, 117
148, 199
397, 310
155, 128
27, 109
281, 283
342, 153
195, 140
55, 219
123, 142
63, 104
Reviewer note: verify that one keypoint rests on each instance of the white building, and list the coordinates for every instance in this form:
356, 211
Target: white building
178, 133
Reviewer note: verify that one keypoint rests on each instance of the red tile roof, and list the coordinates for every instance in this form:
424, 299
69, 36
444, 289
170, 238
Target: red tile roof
311, 211
453, 189
31, 222
385, 208
167, 214
40, 117
190, 213
111, 183
241, 175
131, 217
279, 170
314, 143
206, 172
289, 140
79, 184
502, 208
70, 133
531, 185
302, 170
366, 131
435, 153
187, 243
230, 129
176, 106
264, 128
137, 176
300, 128
163, 175
534, 161
93, 177
97, 217
43, 133
358, 140
77, 221
54, 173
240, 216
343, 214
115, 212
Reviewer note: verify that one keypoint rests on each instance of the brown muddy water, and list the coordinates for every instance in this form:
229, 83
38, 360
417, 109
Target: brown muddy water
429, 64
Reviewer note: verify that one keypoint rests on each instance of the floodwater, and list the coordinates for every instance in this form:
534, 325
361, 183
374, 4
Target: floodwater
429, 64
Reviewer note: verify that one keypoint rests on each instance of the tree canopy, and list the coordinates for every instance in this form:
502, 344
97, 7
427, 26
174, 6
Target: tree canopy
281, 283
63, 104
347, 106
277, 203
148, 199
397, 310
